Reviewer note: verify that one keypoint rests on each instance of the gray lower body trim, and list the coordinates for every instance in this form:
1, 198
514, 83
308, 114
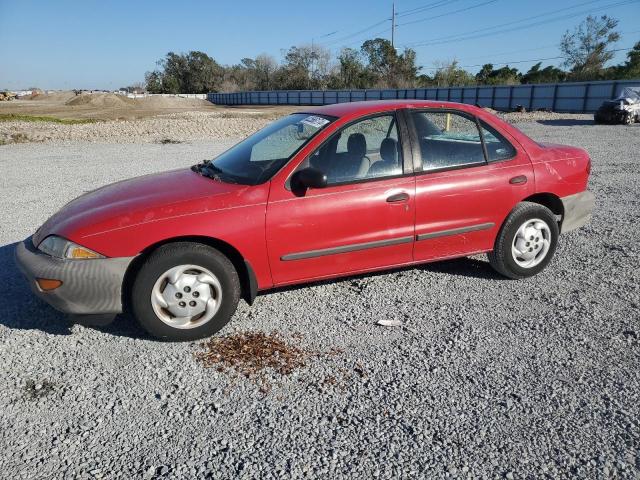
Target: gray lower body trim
89, 287
346, 248
455, 231
577, 210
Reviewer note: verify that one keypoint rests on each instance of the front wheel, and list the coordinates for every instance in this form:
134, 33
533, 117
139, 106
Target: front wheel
185, 291
526, 242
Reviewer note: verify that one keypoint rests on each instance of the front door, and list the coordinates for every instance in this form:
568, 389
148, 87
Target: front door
362, 220
471, 179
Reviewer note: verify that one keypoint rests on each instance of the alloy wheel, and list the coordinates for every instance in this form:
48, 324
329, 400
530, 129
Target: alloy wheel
531, 243
186, 296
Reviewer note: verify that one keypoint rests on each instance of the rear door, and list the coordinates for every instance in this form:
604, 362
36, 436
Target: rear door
468, 178
362, 220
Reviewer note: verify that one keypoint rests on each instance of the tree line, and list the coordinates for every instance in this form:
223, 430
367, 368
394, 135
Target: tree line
377, 64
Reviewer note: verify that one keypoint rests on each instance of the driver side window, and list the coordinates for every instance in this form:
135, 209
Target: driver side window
366, 149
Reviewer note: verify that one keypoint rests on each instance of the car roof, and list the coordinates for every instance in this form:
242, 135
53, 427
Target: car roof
352, 110
348, 109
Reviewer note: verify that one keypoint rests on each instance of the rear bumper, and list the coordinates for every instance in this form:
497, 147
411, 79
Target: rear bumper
89, 287
577, 210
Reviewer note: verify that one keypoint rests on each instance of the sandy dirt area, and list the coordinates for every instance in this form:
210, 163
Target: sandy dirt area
117, 119
109, 106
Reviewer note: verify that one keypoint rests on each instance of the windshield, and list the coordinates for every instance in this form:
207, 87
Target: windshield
258, 157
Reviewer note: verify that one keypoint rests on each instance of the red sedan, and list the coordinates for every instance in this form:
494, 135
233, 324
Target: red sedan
337, 190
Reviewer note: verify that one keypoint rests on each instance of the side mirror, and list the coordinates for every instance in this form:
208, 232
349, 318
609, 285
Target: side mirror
308, 178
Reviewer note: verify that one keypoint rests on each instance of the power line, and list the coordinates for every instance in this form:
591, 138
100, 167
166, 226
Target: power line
321, 36
408, 12
526, 61
359, 32
520, 50
493, 55
424, 8
454, 37
448, 13
372, 36
412, 11
535, 24
471, 34
468, 36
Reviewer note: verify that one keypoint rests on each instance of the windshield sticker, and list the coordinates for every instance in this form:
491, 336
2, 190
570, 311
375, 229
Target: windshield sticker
315, 121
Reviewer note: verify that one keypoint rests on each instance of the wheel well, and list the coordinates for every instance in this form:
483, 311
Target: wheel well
549, 200
245, 272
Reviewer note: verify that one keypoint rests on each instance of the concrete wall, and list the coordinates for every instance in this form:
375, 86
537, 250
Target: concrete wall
201, 96
582, 97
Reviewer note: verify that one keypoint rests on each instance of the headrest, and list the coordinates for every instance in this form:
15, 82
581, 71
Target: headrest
389, 150
357, 145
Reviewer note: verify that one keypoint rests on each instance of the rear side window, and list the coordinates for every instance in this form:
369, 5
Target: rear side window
498, 147
448, 140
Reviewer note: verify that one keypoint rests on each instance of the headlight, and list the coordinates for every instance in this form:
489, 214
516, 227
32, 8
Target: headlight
61, 248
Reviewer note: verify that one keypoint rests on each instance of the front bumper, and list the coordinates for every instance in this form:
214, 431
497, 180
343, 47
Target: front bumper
611, 115
577, 210
89, 287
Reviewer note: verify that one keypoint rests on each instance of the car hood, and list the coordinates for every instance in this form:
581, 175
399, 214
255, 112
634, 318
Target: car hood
140, 200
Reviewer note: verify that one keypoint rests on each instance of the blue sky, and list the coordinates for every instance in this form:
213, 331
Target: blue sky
109, 44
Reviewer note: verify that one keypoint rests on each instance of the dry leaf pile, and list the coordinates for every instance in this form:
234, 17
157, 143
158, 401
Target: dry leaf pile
250, 353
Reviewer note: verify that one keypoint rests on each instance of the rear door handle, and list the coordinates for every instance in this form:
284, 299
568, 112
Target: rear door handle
398, 197
519, 180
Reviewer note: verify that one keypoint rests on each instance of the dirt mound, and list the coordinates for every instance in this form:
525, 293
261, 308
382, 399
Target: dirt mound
170, 102
56, 97
100, 100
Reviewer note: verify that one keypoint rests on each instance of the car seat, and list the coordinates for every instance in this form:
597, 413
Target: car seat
389, 163
355, 164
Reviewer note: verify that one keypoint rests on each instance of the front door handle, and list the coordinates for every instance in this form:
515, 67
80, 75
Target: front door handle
398, 197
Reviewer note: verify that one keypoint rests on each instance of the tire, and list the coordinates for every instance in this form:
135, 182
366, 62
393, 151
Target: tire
503, 258
629, 119
176, 276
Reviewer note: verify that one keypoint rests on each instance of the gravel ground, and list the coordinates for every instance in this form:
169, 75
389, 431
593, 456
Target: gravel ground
184, 126
490, 378
177, 127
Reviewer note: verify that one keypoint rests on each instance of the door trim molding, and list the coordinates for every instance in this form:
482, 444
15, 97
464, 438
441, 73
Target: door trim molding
354, 247
455, 231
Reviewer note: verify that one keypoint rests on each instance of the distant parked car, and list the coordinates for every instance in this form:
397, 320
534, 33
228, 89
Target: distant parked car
625, 108
7, 96
333, 191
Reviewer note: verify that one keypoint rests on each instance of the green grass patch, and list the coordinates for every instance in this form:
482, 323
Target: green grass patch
14, 117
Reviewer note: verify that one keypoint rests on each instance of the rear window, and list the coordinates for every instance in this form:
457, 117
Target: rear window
448, 140
498, 147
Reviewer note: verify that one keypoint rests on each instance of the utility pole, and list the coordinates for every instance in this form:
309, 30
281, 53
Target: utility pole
313, 54
313, 50
393, 23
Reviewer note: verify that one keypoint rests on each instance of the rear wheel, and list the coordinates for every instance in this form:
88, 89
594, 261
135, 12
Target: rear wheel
185, 291
629, 118
526, 242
